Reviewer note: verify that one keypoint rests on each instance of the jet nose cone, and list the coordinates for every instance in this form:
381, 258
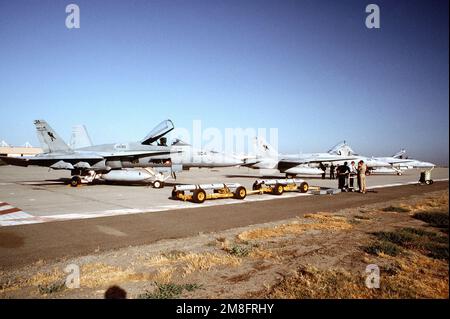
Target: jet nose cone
426, 164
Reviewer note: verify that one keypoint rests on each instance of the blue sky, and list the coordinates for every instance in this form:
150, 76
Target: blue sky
309, 68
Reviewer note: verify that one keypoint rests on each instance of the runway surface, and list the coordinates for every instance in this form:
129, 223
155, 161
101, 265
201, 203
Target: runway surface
24, 244
35, 195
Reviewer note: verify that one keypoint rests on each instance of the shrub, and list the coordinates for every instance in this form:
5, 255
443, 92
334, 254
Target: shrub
435, 219
168, 291
384, 247
396, 209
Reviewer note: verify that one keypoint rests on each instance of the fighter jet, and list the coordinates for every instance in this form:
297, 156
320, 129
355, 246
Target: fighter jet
266, 157
394, 164
135, 162
182, 153
400, 162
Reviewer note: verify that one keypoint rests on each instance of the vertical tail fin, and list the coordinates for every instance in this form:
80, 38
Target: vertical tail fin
80, 137
264, 149
401, 154
49, 139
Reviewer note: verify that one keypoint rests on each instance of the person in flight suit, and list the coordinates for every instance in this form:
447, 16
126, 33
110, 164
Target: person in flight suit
362, 168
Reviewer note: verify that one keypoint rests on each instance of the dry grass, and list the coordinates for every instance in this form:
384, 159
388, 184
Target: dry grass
204, 262
320, 221
264, 254
164, 275
158, 260
191, 262
418, 277
409, 275
99, 275
415, 277
429, 203
47, 278
94, 276
310, 283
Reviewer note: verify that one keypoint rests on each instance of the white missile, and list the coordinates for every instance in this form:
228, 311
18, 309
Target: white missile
206, 186
123, 175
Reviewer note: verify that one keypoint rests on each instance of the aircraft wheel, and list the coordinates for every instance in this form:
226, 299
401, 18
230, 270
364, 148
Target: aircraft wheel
76, 180
158, 184
240, 193
399, 173
199, 196
256, 186
304, 187
278, 189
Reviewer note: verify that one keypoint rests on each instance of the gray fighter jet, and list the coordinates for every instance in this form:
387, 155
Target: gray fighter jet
394, 164
267, 158
135, 162
182, 153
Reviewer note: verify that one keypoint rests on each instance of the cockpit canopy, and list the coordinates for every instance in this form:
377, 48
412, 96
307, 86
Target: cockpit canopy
342, 148
159, 131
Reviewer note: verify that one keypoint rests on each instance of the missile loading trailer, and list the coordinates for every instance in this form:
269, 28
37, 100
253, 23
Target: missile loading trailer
279, 186
199, 193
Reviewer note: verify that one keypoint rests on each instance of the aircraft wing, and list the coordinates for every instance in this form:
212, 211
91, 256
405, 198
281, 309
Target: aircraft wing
62, 161
135, 154
394, 160
318, 159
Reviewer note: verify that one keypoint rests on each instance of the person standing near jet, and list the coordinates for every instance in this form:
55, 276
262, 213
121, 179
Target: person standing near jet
352, 176
357, 176
332, 168
362, 168
342, 173
323, 168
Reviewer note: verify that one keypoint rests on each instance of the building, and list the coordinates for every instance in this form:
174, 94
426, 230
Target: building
26, 150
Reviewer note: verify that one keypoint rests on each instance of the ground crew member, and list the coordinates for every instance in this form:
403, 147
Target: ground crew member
342, 173
353, 174
359, 179
332, 168
362, 176
323, 168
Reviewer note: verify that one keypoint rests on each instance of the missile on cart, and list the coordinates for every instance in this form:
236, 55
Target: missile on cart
280, 181
192, 187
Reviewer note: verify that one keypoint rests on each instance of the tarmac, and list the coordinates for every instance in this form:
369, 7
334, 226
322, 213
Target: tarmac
35, 195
